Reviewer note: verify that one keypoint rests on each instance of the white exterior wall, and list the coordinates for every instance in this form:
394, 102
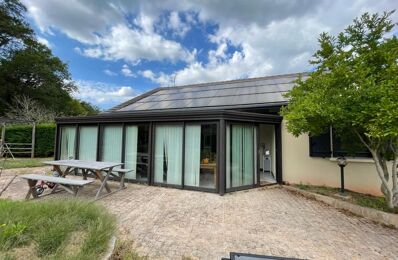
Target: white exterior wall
298, 167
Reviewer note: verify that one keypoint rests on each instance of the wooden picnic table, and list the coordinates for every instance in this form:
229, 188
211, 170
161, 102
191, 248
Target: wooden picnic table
94, 167
70, 185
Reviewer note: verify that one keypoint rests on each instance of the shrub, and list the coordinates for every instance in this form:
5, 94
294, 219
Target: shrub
45, 137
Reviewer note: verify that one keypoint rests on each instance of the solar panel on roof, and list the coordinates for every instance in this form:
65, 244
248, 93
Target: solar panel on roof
245, 92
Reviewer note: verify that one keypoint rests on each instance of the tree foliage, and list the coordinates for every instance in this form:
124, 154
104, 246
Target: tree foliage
14, 31
354, 89
28, 68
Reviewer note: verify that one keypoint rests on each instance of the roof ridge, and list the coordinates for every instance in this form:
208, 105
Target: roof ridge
236, 80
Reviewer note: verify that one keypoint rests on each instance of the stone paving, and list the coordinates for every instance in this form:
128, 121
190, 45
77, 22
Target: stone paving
169, 223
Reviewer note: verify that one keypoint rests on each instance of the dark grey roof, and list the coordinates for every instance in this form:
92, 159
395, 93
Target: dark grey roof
264, 91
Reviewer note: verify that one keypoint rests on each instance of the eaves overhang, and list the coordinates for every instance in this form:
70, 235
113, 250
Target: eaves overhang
172, 116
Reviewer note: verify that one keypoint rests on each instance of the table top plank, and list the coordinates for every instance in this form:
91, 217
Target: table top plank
58, 180
82, 164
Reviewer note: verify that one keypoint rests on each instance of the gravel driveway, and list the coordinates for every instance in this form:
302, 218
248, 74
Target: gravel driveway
173, 224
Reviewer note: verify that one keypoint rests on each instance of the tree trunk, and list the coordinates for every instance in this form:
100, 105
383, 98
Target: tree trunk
390, 193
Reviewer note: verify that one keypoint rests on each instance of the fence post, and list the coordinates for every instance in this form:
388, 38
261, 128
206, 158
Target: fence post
32, 155
3, 136
3, 133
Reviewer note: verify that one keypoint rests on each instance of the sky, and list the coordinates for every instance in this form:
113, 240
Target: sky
119, 49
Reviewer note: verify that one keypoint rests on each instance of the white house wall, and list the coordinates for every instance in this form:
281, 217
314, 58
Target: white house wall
298, 167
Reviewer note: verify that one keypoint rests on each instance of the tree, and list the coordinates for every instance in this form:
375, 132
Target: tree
33, 71
354, 89
28, 68
14, 31
27, 109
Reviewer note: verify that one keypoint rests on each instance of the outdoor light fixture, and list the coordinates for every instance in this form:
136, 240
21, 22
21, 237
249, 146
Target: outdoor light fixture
342, 162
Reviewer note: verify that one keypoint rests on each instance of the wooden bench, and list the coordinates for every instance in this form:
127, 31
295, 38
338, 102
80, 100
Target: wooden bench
70, 185
121, 174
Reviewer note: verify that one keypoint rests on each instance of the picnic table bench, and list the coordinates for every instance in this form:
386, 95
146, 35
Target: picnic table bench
96, 168
70, 185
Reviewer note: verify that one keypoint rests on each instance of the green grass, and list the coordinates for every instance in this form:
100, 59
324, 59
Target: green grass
23, 162
365, 200
53, 229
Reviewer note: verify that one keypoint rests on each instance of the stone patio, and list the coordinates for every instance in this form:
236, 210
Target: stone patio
173, 224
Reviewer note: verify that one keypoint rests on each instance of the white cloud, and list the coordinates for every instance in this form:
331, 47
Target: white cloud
132, 45
161, 78
44, 41
80, 20
253, 38
126, 71
102, 94
109, 72
178, 27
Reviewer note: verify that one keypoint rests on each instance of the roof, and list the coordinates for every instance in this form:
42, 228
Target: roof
254, 92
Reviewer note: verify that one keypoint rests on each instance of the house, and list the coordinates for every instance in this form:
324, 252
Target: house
216, 137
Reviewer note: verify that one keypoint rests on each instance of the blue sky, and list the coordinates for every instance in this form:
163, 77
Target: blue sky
119, 49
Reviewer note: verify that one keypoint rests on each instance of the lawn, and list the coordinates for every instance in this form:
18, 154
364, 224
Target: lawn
23, 162
54, 229
365, 200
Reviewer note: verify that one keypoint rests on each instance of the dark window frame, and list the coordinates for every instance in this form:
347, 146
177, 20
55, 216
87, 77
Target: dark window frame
330, 151
161, 184
212, 122
125, 125
256, 165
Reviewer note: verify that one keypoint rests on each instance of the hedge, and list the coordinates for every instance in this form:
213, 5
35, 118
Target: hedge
45, 137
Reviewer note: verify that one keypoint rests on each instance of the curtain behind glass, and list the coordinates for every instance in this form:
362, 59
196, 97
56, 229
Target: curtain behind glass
240, 155
88, 143
131, 151
68, 139
168, 154
248, 155
228, 156
192, 155
112, 144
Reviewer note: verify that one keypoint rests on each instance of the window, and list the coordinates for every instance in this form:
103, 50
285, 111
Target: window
168, 154
112, 143
88, 143
330, 145
137, 152
240, 155
68, 141
200, 155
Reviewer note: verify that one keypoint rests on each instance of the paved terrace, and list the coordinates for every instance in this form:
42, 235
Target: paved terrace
173, 224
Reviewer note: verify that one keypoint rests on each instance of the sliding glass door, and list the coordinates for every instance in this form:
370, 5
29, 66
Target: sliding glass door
200, 167
240, 155
136, 156
112, 137
88, 143
168, 154
68, 141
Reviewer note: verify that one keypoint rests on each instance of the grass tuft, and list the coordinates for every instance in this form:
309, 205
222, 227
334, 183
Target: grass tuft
50, 225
